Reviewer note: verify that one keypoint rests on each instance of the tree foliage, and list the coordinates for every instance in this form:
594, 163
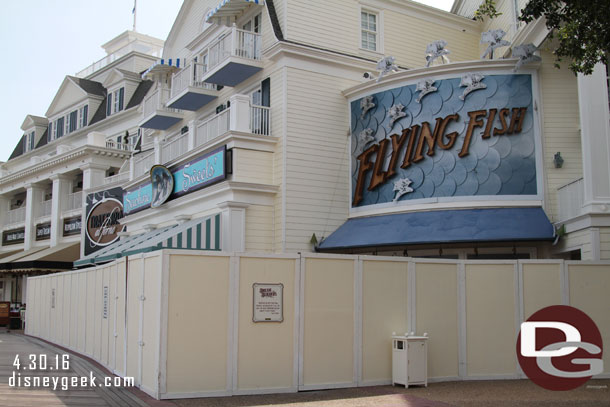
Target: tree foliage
582, 28
486, 9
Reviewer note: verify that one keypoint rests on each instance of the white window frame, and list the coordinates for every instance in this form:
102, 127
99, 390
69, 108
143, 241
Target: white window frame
379, 29
114, 94
28, 140
250, 19
115, 101
81, 110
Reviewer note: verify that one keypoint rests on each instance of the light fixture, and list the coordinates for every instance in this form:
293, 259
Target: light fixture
558, 160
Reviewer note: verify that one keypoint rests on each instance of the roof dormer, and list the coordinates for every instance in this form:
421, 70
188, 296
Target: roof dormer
71, 107
121, 86
34, 128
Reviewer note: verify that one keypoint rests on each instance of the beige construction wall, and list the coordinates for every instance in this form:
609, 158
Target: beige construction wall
80, 317
190, 330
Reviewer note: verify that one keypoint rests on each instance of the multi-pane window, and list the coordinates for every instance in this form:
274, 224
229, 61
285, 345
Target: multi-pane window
71, 122
114, 104
28, 142
58, 128
369, 26
82, 116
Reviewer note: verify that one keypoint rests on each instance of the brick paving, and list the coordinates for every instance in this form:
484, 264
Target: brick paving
500, 393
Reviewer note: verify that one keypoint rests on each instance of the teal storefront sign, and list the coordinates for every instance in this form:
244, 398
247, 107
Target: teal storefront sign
191, 176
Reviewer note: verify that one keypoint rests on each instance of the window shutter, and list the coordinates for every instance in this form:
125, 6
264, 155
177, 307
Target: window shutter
50, 132
109, 104
24, 139
73, 120
121, 95
266, 92
32, 137
60, 127
85, 111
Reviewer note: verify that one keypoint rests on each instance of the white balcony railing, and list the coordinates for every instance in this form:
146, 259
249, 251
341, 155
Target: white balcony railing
238, 43
143, 163
174, 148
108, 59
209, 129
118, 146
74, 201
120, 177
570, 200
259, 120
190, 75
16, 215
45, 208
156, 101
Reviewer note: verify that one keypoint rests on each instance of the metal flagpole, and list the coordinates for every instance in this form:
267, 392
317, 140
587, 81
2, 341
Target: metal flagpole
135, 2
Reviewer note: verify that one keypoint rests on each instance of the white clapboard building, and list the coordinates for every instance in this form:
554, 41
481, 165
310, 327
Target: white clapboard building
279, 133
82, 142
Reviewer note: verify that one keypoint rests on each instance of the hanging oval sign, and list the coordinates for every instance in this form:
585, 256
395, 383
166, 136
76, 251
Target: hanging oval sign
103, 222
162, 182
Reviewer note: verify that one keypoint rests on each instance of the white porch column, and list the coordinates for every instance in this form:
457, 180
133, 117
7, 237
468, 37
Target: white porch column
8, 288
61, 189
24, 288
33, 201
191, 135
93, 175
595, 139
240, 113
233, 224
4, 207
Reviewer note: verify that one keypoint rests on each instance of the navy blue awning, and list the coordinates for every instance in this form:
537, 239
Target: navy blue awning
443, 226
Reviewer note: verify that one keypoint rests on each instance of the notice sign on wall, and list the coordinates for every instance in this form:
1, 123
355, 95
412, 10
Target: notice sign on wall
105, 302
268, 303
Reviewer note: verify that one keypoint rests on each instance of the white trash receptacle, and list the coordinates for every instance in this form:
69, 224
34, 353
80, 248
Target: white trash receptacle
410, 360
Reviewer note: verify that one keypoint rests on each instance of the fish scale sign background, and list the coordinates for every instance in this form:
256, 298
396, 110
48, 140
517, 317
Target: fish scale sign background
498, 165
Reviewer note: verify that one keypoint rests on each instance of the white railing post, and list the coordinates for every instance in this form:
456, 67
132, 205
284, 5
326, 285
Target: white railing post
131, 167
157, 150
240, 113
233, 50
191, 136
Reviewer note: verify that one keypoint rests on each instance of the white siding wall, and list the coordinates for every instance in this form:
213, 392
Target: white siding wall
259, 228
604, 242
407, 29
580, 239
406, 38
189, 28
560, 128
278, 112
317, 158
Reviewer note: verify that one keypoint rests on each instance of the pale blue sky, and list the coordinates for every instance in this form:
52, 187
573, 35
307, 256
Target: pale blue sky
43, 41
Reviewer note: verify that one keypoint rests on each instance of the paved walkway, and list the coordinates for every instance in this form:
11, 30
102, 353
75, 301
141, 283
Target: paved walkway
504, 393
12, 344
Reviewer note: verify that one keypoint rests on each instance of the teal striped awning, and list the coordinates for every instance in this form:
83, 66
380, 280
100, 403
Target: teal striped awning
197, 234
229, 8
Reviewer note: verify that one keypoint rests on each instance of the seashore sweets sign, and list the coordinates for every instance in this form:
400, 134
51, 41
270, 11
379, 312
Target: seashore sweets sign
469, 137
104, 211
198, 173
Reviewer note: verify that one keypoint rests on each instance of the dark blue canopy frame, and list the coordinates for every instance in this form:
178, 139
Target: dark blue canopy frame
442, 227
